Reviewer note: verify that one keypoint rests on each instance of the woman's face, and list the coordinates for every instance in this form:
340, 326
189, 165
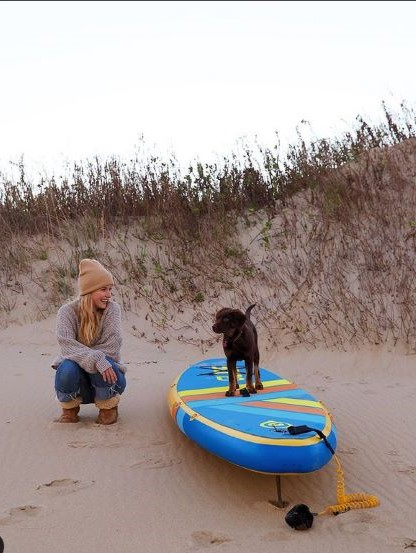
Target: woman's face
101, 297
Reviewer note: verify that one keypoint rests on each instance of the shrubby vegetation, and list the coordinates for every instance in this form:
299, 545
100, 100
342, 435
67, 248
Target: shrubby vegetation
322, 238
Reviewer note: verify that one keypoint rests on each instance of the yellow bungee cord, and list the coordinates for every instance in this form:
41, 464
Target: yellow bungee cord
347, 502
301, 518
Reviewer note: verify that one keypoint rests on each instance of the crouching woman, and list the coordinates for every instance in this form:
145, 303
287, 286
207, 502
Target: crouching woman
88, 329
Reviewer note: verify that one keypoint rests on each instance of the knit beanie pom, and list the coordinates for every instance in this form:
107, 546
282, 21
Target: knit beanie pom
93, 276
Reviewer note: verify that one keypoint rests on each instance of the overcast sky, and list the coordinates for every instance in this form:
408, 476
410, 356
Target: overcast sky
79, 79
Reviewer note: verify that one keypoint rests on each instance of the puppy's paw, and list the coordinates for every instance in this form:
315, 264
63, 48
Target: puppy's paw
259, 386
230, 393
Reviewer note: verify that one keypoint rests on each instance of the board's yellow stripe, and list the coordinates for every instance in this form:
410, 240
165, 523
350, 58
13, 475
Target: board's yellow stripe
279, 382
201, 391
290, 401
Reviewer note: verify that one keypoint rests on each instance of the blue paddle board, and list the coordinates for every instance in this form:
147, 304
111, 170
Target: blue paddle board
252, 432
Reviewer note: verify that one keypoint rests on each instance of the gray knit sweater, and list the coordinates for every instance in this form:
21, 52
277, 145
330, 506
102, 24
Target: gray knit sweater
108, 342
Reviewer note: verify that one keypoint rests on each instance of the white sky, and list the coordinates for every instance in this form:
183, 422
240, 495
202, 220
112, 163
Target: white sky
79, 79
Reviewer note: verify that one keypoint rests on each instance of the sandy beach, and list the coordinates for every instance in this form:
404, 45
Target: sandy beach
141, 485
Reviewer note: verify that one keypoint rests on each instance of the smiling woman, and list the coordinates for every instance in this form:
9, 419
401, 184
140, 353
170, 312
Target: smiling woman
88, 369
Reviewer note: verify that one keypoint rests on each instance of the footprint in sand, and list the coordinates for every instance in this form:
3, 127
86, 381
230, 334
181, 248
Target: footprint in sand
64, 486
155, 459
156, 442
359, 526
409, 470
156, 462
92, 445
393, 453
204, 538
20, 514
348, 451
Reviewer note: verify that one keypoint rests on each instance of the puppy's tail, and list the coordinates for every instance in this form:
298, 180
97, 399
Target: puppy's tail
248, 310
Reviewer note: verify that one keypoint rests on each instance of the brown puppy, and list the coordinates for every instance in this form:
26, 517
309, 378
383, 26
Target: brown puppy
239, 343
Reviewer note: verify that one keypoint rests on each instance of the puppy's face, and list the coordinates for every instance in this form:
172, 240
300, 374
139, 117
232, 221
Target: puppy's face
227, 320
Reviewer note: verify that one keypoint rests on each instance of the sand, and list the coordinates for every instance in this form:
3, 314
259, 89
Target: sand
142, 486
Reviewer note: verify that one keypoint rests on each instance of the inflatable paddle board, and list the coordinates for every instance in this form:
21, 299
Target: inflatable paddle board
280, 430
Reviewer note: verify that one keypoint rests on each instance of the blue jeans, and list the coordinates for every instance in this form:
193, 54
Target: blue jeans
72, 382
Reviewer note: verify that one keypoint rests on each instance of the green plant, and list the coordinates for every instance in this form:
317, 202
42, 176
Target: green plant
199, 297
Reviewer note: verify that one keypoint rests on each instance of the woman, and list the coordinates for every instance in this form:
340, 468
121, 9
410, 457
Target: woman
88, 329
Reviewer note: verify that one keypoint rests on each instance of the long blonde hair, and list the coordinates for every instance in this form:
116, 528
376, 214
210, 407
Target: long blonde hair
89, 320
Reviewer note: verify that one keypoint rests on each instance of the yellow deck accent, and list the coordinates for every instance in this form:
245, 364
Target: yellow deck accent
202, 391
290, 401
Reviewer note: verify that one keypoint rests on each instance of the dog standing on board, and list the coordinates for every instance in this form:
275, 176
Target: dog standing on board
240, 343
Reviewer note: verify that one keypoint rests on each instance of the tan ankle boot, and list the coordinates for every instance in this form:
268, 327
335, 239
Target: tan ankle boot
70, 410
108, 410
107, 416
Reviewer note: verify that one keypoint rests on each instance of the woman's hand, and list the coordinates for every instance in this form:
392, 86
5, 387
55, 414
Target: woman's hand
109, 375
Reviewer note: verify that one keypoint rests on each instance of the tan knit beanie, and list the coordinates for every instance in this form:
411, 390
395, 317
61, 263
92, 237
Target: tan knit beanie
92, 276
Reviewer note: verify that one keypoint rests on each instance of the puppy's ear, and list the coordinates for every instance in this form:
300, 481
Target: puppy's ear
238, 318
223, 311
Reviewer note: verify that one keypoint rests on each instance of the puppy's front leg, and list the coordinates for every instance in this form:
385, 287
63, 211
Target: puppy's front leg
232, 378
249, 377
259, 385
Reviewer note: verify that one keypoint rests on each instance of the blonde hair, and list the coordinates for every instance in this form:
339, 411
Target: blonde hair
89, 320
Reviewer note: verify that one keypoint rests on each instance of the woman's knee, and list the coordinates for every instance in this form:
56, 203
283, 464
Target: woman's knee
120, 384
108, 389
67, 376
105, 390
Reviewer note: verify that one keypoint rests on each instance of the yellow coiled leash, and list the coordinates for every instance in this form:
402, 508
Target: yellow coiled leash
347, 502
301, 518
